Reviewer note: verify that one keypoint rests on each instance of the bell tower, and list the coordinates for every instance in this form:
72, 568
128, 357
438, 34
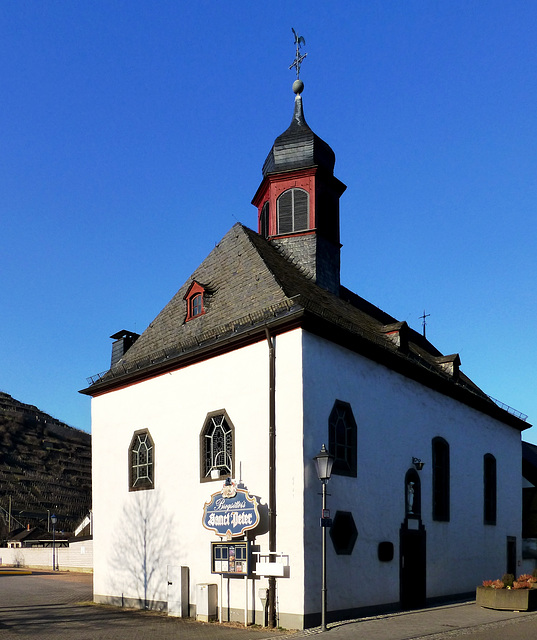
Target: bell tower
298, 199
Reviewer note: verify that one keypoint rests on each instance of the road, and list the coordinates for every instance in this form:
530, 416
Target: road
57, 606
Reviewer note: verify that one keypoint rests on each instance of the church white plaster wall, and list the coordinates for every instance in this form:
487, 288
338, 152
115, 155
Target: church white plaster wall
137, 534
397, 419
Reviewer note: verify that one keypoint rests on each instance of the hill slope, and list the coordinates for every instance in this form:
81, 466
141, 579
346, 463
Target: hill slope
45, 467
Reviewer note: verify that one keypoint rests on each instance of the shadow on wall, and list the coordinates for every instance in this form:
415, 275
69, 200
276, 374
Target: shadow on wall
142, 549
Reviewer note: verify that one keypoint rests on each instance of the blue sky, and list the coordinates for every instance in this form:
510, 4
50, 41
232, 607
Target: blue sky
133, 136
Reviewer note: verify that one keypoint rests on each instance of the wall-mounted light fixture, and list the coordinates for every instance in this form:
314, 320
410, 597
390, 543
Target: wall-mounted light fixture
418, 463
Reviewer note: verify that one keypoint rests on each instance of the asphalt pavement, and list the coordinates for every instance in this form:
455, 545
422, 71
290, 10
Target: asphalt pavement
47, 606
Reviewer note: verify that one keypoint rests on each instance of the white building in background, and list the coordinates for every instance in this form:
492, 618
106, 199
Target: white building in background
260, 358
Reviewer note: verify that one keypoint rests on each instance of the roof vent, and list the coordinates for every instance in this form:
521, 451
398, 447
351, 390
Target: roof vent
123, 341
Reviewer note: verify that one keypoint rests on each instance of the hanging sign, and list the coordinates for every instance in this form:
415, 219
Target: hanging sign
230, 512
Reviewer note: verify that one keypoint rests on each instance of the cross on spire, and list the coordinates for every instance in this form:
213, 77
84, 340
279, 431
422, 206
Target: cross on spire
425, 315
299, 41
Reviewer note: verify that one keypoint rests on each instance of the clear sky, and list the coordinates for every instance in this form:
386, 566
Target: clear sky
133, 135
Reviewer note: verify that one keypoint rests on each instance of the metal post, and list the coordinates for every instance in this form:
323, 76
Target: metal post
53, 546
246, 601
272, 475
324, 461
323, 587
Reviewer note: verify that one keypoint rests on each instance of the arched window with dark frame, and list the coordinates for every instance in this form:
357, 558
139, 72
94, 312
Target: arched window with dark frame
489, 489
342, 439
141, 461
217, 447
441, 480
293, 211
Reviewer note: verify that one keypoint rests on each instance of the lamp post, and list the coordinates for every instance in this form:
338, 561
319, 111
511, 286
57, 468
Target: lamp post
324, 461
53, 519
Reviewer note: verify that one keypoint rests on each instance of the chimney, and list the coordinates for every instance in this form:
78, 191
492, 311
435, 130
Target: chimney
123, 341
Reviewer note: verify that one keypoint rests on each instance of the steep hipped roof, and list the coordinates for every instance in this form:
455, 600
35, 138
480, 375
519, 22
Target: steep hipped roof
250, 286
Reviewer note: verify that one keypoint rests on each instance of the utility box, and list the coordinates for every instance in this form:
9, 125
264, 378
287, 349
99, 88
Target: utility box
206, 602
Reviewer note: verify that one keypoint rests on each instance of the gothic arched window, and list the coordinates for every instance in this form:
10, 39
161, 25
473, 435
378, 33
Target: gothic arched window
141, 461
342, 436
216, 444
293, 211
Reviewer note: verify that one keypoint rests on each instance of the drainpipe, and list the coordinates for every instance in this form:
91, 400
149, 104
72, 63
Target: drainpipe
272, 477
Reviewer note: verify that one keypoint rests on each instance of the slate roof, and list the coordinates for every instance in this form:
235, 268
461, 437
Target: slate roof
298, 147
251, 286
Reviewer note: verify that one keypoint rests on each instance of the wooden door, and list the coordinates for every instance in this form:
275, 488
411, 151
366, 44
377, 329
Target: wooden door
413, 567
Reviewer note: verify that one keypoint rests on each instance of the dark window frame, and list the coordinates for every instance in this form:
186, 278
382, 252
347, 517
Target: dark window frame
490, 490
139, 481
441, 479
224, 460
343, 439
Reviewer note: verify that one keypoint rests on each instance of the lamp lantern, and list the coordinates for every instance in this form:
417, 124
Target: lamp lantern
418, 463
324, 462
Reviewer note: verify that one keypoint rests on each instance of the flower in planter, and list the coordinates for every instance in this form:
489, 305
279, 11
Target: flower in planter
525, 581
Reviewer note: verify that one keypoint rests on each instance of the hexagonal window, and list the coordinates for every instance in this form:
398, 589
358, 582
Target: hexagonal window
343, 533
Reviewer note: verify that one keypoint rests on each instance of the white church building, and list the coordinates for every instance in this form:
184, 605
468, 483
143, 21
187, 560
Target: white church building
205, 491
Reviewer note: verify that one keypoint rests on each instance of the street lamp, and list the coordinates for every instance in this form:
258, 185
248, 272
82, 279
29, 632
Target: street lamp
53, 519
324, 461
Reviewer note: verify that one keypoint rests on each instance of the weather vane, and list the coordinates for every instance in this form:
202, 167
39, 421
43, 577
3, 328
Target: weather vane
299, 41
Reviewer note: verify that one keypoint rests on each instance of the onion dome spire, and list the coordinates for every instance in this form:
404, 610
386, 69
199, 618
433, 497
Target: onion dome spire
298, 198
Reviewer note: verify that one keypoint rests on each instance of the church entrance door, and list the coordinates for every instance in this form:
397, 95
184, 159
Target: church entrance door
412, 564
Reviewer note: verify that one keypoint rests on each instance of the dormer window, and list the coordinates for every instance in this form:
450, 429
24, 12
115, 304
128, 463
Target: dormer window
194, 301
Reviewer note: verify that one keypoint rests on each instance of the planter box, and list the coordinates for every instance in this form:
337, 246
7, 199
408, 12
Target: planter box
507, 599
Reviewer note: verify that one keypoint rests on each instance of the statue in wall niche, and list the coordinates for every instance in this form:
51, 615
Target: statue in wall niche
410, 497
